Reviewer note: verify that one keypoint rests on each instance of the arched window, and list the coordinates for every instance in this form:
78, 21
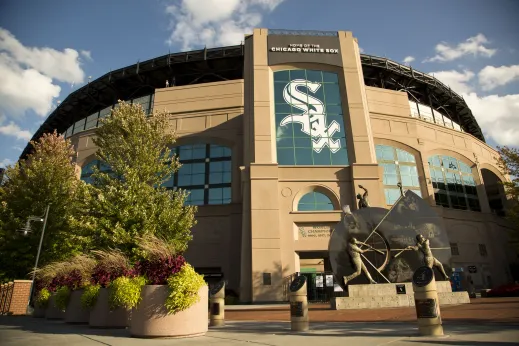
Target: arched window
453, 183
88, 169
315, 201
399, 166
205, 173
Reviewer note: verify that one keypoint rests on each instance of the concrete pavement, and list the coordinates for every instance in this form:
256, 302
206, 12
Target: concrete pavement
41, 332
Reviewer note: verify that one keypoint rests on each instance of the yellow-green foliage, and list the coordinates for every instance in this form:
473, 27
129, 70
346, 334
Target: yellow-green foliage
126, 292
62, 297
42, 299
89, 296
183, 287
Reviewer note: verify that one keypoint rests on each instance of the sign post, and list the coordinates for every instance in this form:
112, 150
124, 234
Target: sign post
426, 302
217, 305
298, 305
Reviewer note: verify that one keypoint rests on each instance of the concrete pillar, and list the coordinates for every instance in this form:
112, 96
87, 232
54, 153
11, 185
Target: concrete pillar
298, 305
426, 302
217, 303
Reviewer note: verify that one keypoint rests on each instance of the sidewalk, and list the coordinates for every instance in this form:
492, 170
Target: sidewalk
31, 331
484, 322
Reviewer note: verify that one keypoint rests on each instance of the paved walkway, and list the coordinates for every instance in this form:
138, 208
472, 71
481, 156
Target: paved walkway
485, 322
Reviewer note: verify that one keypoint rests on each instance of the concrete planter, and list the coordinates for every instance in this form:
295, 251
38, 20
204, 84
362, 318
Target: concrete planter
38, 312
75, 312
150, 318
102, 317
53, 312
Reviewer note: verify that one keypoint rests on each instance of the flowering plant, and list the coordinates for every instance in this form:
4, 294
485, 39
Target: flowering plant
110, 265
158, 270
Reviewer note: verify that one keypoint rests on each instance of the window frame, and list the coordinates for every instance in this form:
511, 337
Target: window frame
396, 161
453, 191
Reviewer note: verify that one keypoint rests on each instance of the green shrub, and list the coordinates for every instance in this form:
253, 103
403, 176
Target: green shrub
183, 287
62, 297
42, 298
126, 292
89, 296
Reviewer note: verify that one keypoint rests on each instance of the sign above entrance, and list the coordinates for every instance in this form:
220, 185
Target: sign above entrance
305, 48
315, 231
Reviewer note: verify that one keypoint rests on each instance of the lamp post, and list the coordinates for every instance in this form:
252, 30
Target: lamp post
25, 231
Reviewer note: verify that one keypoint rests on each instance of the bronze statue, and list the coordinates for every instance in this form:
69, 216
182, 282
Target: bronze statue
422, 245
363, 199
354, 251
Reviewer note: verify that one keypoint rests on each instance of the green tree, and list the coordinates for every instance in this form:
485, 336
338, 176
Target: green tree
509, 164
47, 176
130, 201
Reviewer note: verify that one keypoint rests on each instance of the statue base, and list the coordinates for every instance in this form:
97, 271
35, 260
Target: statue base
392, 296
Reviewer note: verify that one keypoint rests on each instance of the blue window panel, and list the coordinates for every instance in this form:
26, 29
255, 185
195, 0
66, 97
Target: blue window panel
295, 147
199, 151
385, 153
435, 161
330, 77
404, 156
103, 167
198, 168
392, 195
303, 156
297, 74
282, 76
216, 178
185, 153
169, 183
465, 168
323, 158
315, 201
185, 169
314, 76
450, 163
226, 193
286, 156
89, 167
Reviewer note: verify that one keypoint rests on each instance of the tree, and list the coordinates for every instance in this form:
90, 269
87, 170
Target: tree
509, 164
130, 200
46, 177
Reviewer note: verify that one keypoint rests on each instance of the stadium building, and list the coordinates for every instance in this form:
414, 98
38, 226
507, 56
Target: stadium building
276, 134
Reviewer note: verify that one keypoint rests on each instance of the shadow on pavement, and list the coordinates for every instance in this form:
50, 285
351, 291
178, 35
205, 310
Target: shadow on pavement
44, 326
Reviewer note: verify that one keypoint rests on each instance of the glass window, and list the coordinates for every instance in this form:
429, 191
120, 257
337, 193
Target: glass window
79, 125
309, 120
314, 201
399, 166
205, 171
453, 183
88, 169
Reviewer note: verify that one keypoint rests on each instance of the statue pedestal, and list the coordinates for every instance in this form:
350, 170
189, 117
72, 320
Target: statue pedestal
386, 296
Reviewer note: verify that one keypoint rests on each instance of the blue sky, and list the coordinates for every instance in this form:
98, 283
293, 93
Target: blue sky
50, 48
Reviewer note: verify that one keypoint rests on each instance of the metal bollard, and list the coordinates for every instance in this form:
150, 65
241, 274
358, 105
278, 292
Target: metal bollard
217, 300
298, 305
426, 302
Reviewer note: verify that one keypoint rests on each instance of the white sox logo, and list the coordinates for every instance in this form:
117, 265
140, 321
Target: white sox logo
314, 115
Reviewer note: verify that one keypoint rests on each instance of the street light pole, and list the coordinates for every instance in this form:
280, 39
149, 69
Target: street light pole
39, 248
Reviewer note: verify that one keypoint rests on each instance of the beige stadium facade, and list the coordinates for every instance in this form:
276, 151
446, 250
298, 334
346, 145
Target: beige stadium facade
272, 171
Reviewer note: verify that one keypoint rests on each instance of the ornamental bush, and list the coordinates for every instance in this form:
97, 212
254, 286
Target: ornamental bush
89, 296
42, 298
126, 292
62, 297
157, 271
111, 264
183, 289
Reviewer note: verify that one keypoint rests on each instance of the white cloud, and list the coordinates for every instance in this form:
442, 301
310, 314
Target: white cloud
14, 130
5, 162
472, 46
23, 89
492, 77
29, 74
215, 22
86, 54
408, 59
495, 114
361, 50
17, 148
457, 81
63, 66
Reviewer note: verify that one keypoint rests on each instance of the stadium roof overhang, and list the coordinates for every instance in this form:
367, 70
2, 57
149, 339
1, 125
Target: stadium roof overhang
226, 63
